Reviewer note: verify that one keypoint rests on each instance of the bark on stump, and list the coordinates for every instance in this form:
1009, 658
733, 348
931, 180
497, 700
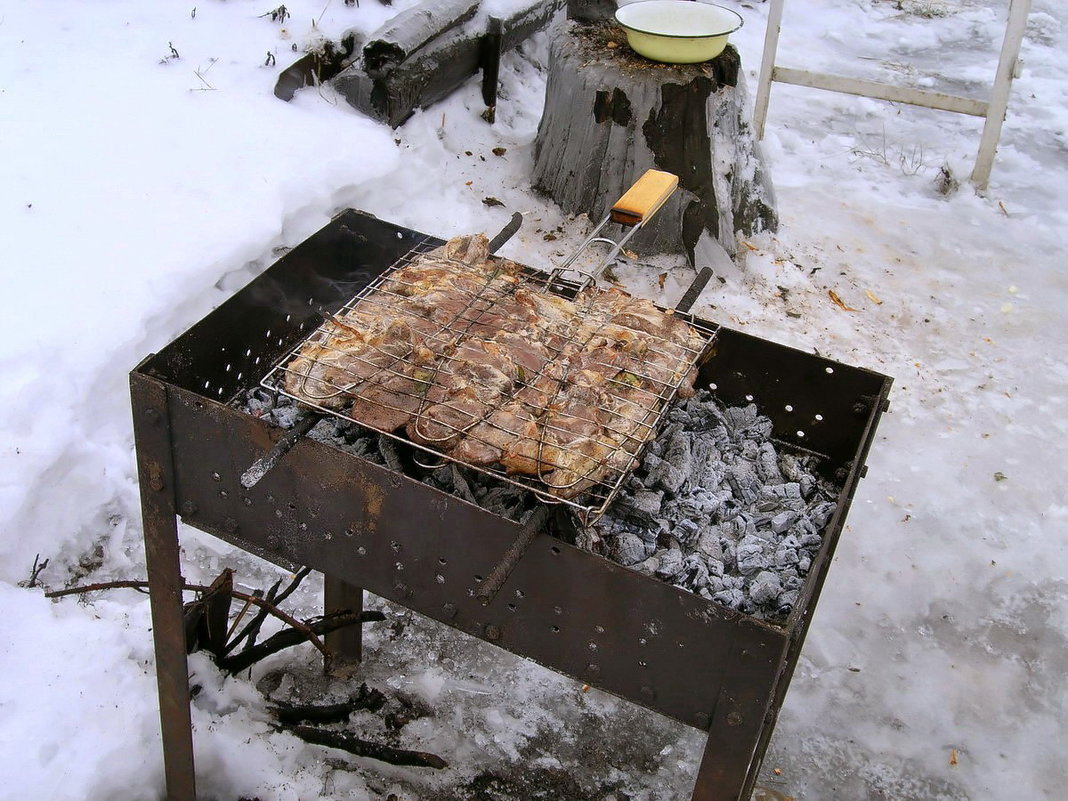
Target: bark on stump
610, 115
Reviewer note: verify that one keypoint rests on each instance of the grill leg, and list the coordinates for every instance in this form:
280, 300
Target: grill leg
156, 479
727, 772
347, 643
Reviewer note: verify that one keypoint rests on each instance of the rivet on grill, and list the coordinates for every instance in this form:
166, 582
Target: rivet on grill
703, 720
216, 477
860, 408
493, 633
449, 610
734, 718
593, 669
403, 589
189, 508
230, 525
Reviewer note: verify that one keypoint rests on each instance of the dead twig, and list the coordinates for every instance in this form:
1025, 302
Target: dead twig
252, 629
35, 571
364, 748
294, 634
365, 698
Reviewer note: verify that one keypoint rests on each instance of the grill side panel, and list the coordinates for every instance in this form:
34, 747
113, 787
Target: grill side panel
565, 608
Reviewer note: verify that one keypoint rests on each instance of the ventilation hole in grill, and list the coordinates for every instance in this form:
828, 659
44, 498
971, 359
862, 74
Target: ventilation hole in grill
256, 360
396, 546
554, 629
248, 353
216, 477
228, 368
511, 607
555, 550
713, 386
440, 579
801, 434
300, 327
207, 385
279, 340
361, 551
520, 594
592, 645
442, 560
291, 505
224, 494
219, 393
351, 532
642, 641
478, 579
303, 526
311, 301
789, 408
829, 370
642, 663
289, 317
268, 336
247, 501
681, 644
558, 610
819, 418
398, 566
239, 375
599, 629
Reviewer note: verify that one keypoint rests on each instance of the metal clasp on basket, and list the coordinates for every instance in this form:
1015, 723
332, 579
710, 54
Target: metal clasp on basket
635, 208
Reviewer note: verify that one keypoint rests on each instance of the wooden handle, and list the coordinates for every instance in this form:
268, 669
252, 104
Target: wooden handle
644, 199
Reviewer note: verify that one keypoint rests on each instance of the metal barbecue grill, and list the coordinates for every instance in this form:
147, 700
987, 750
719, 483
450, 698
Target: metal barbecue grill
595, 488
370, 527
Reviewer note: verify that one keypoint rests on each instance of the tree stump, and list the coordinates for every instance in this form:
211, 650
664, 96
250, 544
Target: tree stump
611, 114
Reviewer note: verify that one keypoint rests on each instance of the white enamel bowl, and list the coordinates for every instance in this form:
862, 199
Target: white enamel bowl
677, 31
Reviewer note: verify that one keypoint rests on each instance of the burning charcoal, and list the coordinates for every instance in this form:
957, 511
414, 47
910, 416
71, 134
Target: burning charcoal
670, 564
821, 513
788, 494
677, 464
646, 504
686, 531
743, 480
390, 454
695, 571
751, 555
782, 521
286, 416
733, 599
648, 566
785, 556
708, 544
715, 568
463, 489
804, 563
787, 601
768, 464
765, 588
627, 549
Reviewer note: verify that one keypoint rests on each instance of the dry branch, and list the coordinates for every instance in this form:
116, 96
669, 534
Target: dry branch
363, 748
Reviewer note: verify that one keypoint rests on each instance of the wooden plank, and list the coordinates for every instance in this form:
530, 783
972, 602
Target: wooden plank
999, 99
880, 91
767, 66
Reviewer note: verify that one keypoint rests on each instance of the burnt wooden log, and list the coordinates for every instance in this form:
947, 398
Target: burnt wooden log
435, 70
410, 30
611, 114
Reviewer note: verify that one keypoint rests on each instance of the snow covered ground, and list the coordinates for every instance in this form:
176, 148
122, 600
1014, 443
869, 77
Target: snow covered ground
149, 172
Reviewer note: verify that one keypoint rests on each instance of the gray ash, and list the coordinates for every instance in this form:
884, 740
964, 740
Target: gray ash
714, 508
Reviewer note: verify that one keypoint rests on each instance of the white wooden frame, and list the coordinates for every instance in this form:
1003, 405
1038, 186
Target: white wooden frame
993, 110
